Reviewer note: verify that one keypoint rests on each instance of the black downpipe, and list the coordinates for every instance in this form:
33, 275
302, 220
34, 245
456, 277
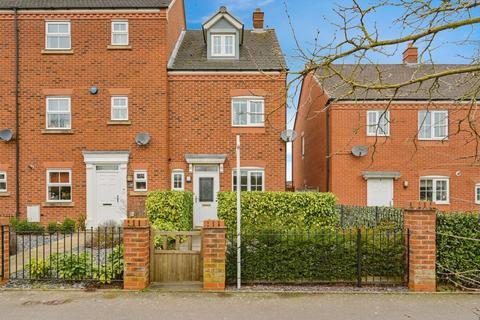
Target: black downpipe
17, 114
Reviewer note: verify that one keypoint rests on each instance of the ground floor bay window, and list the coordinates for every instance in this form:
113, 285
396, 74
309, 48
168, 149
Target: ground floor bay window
251, 179
435, 189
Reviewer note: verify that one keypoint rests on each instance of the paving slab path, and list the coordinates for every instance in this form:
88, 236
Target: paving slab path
120, 305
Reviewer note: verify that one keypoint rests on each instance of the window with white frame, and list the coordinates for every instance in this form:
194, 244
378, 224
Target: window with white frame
432, 125
59, 185
223, 45
178, 180
120, 33
378, 123
57, 35
140, 181
119, 109
59, 113
250, 179
3, 181
248, 111
477, 193
435, 189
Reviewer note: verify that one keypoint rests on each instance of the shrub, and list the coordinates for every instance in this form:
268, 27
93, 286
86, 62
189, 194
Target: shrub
82, 222
39, 269
23, 226
53, 227
72, 266
457, 255
113, 269
279, 210
68, 226
170, 210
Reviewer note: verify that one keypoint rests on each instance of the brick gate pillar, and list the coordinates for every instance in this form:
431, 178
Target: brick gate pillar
214, 254
421, 220
136, 239
5, 252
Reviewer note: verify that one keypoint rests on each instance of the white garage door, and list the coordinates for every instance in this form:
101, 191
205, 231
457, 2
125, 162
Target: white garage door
380, 192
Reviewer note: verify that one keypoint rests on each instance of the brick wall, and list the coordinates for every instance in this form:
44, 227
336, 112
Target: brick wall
5, 229
136, 239
214, 249
201, 118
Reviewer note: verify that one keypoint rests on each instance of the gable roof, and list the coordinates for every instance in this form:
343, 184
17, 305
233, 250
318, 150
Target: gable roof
453, 87
260, 52
83, 4
223, 14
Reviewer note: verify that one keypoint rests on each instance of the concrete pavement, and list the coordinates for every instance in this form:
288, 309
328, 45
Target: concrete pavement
118, 305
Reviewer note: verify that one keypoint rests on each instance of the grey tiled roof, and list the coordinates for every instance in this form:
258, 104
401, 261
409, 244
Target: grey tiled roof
84, 4
453, 87
260, 51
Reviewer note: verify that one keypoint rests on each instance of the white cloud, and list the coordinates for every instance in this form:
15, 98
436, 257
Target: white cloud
244, 4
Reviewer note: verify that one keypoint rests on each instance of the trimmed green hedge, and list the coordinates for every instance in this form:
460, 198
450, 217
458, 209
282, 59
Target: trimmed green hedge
455, 254
170, 210
279, 210
321, 256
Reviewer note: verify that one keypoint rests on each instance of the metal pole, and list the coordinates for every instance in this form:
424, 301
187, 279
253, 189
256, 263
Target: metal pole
239, 207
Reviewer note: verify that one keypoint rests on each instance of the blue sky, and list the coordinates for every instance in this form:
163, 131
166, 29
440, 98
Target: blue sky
310, 16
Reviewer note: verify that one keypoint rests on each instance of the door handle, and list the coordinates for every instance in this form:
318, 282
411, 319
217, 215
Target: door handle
118, 198
107, 204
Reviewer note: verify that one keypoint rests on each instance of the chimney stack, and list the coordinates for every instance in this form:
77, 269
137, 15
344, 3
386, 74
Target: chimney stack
410, 55
258, 19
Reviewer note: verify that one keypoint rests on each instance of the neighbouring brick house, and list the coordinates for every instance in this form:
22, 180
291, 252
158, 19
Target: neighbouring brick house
117, 98
371, 152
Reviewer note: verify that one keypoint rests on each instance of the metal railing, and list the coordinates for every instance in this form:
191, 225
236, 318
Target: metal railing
82, 255
342, 256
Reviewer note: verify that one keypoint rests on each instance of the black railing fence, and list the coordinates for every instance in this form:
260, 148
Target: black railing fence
367, 256
370, 217
82, 255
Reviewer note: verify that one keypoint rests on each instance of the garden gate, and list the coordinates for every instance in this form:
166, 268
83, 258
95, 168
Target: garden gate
176, 256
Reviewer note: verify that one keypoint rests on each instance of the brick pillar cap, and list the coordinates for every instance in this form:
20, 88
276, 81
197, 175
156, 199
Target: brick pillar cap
136, 223
420, 205
214, 224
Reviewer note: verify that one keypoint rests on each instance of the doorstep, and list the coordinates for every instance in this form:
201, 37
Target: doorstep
188, 286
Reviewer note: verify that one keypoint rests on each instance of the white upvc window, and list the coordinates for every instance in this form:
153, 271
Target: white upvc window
57, 35
435, 189
432, 125
223, 45
251, 179
178, 180
248, 112
477, 193
59, 114
140, 181
119, 33
3, 181
378, 123
119, 108
59, 185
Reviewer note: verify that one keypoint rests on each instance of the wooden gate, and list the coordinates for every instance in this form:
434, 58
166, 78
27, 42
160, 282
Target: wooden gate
176, 256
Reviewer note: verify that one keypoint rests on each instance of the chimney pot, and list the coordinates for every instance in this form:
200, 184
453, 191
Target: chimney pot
258, 19
410, 55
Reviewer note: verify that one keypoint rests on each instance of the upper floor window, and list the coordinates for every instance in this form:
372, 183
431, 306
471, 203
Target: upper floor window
432, 125
3, 181
58, 35
250, 179
59, 113
435, 189
223, 45
119, 108
178, 180
248, 111
140, 181
120, 33
378, 123
59, 185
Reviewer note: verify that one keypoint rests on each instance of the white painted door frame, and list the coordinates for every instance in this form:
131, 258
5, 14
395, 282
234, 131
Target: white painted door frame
206, 209
92, 159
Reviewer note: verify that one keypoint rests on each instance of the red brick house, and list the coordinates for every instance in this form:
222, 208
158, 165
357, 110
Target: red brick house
369, 151
116, 98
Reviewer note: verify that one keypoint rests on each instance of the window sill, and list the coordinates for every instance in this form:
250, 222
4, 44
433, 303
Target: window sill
119, 123
49, 51
138, 193
59, 204
119, 47
436, 139
57, 131
4, 194
248, 130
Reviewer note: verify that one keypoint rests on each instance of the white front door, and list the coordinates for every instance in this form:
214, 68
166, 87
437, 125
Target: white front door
111, 204
380, 192
206, 185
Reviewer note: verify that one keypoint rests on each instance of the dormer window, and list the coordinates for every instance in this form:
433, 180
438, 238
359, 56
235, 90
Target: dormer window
223, 45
